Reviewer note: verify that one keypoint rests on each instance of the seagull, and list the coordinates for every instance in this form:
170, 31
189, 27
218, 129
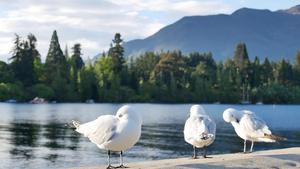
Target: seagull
249, 126
199, 129
113, 133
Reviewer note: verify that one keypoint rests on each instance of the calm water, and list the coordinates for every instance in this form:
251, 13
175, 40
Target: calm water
35, 136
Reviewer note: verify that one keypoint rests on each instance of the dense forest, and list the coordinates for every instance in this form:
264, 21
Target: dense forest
163, 77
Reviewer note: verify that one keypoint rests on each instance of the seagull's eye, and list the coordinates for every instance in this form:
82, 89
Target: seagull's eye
120, 115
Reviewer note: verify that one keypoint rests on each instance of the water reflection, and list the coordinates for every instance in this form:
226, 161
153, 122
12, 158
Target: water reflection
24, 137
35, 136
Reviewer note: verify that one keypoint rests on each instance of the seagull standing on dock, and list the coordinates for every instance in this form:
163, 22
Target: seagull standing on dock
250, 127
113, 133
199, 129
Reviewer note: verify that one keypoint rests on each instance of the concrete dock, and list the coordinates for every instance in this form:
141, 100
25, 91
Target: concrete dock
273, 159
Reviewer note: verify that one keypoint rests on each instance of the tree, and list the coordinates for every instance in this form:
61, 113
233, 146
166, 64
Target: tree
76, 57
267, 72
87, 84
256, 75
66, 52
56, 60
284, 73
103, 67
240, 55
296, 68
170, 63
116, 52
24, 55
59, 85
6, 76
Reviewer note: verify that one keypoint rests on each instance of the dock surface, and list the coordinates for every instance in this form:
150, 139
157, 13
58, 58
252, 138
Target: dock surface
275, 159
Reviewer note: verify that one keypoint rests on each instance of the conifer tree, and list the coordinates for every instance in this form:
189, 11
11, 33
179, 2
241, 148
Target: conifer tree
76, 57
116, 52
56, 60
24, 55
296, 68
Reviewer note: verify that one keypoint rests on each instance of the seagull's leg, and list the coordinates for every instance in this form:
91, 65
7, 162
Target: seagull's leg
204, 156
121, 160
251, 146
108, 154
245, 144
195, 157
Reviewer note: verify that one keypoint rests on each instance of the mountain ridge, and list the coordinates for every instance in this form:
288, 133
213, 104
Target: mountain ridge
265, 33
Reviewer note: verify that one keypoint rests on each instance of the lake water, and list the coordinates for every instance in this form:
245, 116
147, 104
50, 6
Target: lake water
35, 136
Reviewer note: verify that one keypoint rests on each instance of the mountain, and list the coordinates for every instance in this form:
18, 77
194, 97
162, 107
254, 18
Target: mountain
266, 33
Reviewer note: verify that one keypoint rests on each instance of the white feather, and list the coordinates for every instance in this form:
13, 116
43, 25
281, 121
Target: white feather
116, 133
199, 129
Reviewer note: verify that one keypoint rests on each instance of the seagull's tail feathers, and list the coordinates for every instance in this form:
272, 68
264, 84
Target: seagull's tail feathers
76, 123
206, 136
270, 136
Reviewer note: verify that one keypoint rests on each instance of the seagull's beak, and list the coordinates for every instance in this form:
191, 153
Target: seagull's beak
188, 115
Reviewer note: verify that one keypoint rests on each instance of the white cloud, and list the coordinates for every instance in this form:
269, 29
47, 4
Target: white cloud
93, 23
5, 47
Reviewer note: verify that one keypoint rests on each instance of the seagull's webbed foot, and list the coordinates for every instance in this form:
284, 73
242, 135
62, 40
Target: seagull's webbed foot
195, 157
246, 152
122, 166
110, 167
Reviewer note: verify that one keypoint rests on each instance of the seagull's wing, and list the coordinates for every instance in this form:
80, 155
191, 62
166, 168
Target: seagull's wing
197, 125
211, 126
100, 130
254, 126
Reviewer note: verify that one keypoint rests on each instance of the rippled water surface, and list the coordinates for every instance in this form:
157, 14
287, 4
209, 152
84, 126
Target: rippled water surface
35, 136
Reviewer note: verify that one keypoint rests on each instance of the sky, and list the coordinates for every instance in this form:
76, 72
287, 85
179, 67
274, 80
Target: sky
93, 23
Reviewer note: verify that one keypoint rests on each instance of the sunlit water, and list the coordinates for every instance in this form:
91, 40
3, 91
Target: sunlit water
35, 136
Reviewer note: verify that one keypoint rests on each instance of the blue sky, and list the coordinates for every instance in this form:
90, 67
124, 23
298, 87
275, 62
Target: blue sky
93, 23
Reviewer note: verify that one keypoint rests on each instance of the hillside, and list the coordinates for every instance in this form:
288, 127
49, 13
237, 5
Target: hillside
266, 33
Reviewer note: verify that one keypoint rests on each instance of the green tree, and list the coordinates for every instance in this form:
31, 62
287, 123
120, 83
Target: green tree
283, 73
240, 55
256, 75
76, 57
116, 52
9, 90
59, 86
6, 76
87, 83
267, 72
103, 68
170, 63
56, 60
296, 68
24, 55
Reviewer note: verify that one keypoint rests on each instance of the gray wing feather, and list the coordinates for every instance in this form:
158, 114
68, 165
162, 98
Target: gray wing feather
100, 130
254, 125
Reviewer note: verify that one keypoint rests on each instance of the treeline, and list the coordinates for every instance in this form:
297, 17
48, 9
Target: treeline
165, 77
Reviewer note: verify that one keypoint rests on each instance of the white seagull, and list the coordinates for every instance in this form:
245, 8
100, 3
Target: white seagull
250, 127
113, 133
199, 129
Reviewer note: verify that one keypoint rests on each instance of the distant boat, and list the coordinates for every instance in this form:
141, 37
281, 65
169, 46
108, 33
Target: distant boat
259, 103
90, 101
245, 101
11, 101
38, 100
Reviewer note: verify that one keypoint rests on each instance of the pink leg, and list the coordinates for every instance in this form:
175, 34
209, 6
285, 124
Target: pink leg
245, 144
204, 156
195, 157
251, 146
